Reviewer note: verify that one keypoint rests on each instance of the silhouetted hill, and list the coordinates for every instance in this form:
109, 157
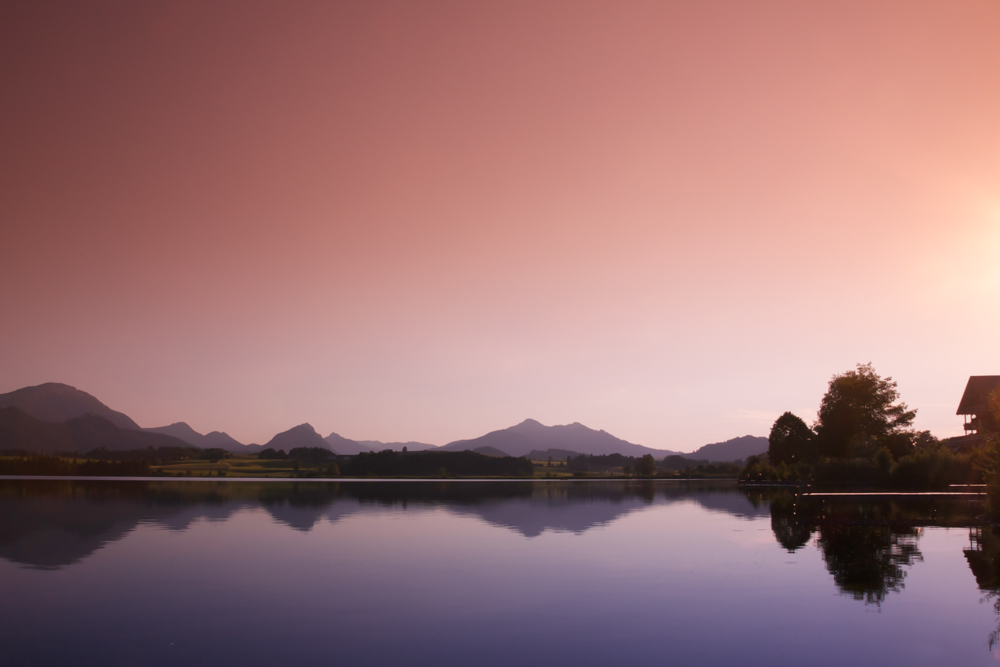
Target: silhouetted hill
378, 446
303, 435
19, 430
91, 432
530, 435
222, 441
56, 402
215, 439
490, 451
341, 445
731, 450
179, 430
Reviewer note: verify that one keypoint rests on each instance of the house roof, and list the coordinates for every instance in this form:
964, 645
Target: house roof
974, 398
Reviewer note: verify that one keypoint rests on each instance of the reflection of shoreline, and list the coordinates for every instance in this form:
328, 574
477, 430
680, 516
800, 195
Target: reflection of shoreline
57, 522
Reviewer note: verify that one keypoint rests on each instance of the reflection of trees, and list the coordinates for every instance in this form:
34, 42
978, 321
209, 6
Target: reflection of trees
867, 561
983, 556
790, 528
867, 543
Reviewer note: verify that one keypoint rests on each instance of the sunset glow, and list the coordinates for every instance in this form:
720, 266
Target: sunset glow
425, 221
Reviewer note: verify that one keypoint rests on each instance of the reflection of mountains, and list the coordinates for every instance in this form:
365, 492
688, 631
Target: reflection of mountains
531, 508
51, 524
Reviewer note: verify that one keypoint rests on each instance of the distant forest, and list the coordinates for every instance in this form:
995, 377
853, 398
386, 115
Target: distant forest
52, 465
389, 463
321, 462
605, 463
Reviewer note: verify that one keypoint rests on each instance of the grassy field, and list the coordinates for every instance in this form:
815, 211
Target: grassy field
237, 466
251, 466
544, 471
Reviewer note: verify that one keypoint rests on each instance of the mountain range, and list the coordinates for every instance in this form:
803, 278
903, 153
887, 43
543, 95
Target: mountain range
378, 446
342, 445
55, 402
19, 430
730, 450
181, 431
529, 435
57, 417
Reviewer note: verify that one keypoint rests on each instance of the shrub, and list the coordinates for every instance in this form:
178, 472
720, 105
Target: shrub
931, 469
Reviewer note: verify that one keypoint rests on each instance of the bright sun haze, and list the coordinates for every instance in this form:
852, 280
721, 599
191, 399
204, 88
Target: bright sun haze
424, 221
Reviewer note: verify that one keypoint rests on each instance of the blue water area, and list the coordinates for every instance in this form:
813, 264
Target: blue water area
498, 573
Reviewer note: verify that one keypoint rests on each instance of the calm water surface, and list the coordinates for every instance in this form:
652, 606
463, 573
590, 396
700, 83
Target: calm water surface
505, 573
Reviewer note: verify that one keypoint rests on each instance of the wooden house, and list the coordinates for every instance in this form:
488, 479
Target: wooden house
973, 403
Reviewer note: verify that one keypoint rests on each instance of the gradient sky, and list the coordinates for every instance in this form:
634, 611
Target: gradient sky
396, 221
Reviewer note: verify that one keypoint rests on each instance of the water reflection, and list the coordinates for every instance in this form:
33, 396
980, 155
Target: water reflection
370, 573
867, 562
54, 523
983, 556
867, 543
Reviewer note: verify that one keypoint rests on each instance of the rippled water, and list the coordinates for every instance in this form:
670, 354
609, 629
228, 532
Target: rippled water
501, 573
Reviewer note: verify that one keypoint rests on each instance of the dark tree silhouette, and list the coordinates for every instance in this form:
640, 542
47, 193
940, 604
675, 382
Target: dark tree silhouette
860, 414
791, 441
645, 466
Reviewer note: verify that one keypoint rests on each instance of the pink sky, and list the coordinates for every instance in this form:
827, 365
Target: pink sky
396, 221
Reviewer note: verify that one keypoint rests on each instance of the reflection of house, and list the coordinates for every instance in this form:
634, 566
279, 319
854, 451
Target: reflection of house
973, 403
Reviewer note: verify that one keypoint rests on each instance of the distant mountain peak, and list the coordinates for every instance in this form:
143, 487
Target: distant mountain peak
303, 435
731, 450
215, 439
180, 426
531, 435
20, 430
58, 402
55, 387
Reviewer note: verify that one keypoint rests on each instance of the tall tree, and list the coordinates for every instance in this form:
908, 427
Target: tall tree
791, 441
860, 414
645, 466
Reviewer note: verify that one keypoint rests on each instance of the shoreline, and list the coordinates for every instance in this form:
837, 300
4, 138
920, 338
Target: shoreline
296, 480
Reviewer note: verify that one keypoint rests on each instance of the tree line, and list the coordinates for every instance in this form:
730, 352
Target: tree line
308, 455
54, 465
389, 463
673, 466
863, 435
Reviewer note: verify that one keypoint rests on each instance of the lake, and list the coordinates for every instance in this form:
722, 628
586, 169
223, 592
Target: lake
489, 573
